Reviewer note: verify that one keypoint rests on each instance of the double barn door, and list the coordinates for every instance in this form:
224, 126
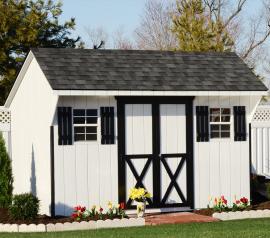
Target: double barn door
155, 149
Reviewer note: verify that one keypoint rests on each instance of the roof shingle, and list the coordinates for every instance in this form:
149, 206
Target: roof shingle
83, 69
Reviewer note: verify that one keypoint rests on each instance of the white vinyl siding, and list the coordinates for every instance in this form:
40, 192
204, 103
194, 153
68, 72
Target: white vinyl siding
221, 166
86, 172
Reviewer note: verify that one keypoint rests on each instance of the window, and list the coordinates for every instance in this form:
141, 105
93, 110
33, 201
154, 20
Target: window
220, 122
85, 124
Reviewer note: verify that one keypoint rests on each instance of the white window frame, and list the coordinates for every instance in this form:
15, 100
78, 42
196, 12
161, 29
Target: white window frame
85, 125
220, 123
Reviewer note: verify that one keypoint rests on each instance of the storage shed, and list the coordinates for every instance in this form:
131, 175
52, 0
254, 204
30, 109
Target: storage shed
87, 125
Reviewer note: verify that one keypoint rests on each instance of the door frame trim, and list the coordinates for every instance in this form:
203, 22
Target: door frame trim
155, 101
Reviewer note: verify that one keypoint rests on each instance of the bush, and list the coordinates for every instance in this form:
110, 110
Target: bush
6, 179
24, 207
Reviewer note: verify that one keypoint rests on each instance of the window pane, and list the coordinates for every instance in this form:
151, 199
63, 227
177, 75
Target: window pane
215, 111
215, 127
91, 112
79, 129
79, 112
215, 118
214, 134
225, 118
79, 137
79, 120
225, 134
91, 129
91, 136
225, 127
91, 120
225, 111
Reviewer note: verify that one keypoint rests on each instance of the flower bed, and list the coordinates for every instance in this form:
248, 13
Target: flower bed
80, 219
231, 210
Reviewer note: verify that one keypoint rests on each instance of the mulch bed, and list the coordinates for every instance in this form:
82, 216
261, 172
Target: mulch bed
41, 219
209, 212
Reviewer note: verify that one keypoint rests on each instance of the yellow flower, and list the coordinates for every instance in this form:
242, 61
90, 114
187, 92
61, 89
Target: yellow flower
110, 205
94, 207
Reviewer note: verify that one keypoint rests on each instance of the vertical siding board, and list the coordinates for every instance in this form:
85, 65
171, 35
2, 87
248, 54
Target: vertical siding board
196, 157
105, 163
114, 156
204, 164
244, 146
215, 189
59, 175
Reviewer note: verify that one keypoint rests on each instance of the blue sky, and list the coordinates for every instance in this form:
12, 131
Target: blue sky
113, 14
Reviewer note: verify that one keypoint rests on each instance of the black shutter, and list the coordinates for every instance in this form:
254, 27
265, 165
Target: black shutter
64, 125
107, 125
202, 120
240, 133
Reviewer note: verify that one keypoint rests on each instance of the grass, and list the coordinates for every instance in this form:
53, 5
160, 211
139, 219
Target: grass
258, 228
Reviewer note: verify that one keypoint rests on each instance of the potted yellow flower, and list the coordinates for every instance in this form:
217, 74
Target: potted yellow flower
139, 195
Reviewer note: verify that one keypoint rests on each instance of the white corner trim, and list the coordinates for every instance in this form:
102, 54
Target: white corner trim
156, 93
19, 79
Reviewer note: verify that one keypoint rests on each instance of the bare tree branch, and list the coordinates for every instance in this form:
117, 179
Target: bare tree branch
154, 31
96, 36
120, 41
236, 12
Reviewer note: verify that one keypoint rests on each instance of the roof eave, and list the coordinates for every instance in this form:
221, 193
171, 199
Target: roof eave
19, 79
156, 93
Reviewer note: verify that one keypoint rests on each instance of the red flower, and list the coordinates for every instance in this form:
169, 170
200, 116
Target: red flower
224, 200
83, 209
74, 215
101, 209
237, 201
244, 200
78, 208
122, 205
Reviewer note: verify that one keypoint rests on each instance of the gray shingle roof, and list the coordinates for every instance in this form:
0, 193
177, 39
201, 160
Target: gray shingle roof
81, 69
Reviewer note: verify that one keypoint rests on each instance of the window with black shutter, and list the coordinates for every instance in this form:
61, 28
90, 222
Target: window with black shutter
220, 122
107, 125
85, 124
202, 123
240, 133
64, 115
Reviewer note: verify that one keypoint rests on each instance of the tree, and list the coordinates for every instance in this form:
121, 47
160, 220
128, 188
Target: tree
249, 41
115, 40
6, 179
25, 24
96, 36
121, 41
154, 31
197, 32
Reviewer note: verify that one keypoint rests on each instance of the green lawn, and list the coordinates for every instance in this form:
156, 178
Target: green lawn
258, 228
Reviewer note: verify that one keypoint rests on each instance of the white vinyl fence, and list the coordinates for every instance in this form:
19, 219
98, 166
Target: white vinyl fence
5, 127
260, 141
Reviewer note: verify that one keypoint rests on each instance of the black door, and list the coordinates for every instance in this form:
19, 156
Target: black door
155, 149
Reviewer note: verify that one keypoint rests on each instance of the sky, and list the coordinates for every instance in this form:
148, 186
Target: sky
114, 14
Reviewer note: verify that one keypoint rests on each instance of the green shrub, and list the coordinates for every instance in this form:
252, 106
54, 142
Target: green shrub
267, 185
6, 179
24, 207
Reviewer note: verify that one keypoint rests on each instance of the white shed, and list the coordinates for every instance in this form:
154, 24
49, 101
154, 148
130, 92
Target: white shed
87, 125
